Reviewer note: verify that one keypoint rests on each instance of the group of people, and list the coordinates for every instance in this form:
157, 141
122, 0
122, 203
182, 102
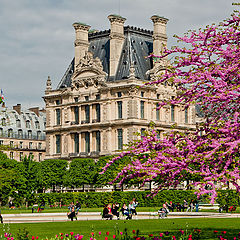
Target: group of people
73, 210
180, 207
109, 211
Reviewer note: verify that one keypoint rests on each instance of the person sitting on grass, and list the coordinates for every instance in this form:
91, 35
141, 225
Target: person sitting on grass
106, 213
72, 214
163, 211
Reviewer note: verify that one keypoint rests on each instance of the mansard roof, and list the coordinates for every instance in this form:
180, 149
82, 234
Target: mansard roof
137, 46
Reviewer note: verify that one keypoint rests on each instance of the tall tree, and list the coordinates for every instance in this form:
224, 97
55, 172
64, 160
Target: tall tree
206, 73
54, 172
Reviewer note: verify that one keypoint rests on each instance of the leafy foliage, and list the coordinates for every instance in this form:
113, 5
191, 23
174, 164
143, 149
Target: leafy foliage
206, 73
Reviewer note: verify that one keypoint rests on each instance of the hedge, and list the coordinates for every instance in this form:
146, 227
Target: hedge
98, 199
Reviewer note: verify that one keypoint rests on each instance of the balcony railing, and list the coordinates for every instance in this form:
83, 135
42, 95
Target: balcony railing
23, 136
85, 121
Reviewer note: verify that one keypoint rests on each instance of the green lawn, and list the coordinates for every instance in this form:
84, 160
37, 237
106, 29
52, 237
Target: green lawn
154, 226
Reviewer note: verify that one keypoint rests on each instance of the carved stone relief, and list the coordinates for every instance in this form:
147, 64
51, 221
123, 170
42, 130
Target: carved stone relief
65, 146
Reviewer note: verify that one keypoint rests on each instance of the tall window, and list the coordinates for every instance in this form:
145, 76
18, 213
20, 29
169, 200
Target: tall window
30, 145
58, 143
39, 145
4, 122
29, 134
76, 114
38, 135
87, 142
142, 109
142, 132
18, 123
87, 113
21, 145
98, 141
10, 133
172, 113
157, 112
11, 143
27, 124
21, 156
76, 142
11, 155
98, 112
1, 131
186, 115
20, 133
40, 157
119, 104
119, 94
58, 116
120, 139
37, 125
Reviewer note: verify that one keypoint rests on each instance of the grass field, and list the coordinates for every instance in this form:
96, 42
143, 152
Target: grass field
156, 226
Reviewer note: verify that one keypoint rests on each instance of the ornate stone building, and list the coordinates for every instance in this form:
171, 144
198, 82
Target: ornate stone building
100, 102
23, 132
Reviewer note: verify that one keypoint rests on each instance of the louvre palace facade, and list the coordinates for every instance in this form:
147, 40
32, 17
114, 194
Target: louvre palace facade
23, 132
100, 103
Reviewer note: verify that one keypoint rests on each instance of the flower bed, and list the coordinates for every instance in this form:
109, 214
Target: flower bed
125, 235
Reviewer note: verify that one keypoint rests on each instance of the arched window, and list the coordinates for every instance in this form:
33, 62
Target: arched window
37, 125
4, 121
29, 134
10, 133
18, 123
27, 124
20, 133
38, 134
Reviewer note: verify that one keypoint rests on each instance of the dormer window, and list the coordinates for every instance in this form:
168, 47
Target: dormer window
4, 122
119, 94
37, 125
58, 102
18, 123
20, 133
29, 134
86, 98
142, 94
10, 133
27, 124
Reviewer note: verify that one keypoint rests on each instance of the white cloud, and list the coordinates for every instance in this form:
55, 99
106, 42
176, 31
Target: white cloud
37, 36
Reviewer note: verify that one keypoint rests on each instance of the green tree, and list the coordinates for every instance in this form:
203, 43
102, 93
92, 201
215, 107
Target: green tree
54, 173
82, 171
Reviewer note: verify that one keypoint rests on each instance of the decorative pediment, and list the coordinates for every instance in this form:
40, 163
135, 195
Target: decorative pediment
159, 67
89, 72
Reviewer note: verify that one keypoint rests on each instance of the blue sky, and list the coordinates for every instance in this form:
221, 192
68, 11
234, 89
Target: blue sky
37, 35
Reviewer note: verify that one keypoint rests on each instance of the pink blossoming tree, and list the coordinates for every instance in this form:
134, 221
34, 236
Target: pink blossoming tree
206, 73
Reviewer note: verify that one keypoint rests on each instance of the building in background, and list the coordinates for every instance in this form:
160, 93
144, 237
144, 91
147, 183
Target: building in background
100, 102
23, 132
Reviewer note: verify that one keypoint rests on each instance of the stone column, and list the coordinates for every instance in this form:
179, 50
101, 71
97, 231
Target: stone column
159, 34
116, 41
81, 43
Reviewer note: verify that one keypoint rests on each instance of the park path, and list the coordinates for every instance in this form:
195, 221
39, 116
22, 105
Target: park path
62, 217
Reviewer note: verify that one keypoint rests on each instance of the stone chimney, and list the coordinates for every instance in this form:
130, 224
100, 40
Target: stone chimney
81, 43
48, 85
35, 110
17, 108
159, 34
116, 41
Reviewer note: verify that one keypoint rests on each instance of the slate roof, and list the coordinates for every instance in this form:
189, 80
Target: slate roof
137, 46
